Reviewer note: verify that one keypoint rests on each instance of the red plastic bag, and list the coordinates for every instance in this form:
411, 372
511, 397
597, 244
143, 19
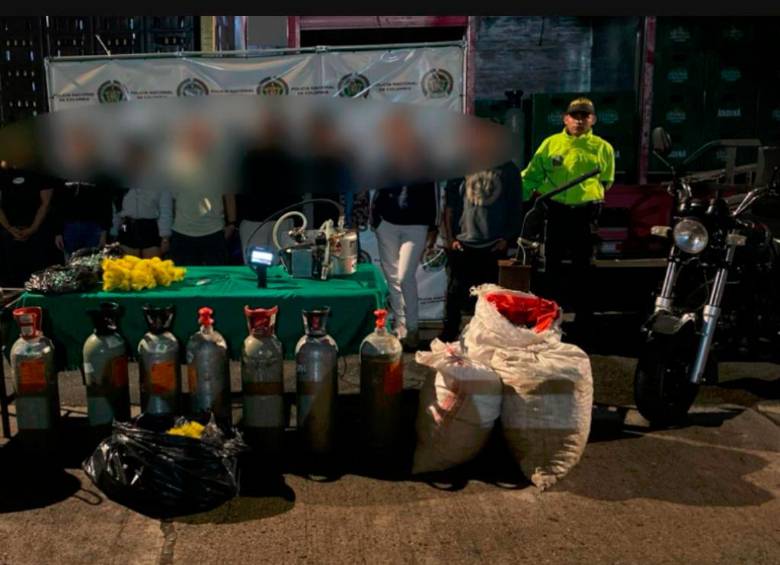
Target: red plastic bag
530, 311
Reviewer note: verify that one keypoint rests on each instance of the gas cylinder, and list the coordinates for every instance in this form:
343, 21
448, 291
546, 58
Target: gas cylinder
514, 119
158, 363
381, 385
262, 381
105, 370
35, 380
208, 371
316, 357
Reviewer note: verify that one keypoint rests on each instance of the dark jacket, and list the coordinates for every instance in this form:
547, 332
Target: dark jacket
83, 202
487, 206
412, 205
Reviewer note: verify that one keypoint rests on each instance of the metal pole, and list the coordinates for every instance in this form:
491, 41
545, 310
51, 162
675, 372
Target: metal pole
469, 62
256, 52
646, 96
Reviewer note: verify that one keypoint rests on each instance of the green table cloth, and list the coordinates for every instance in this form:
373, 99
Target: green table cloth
226, 290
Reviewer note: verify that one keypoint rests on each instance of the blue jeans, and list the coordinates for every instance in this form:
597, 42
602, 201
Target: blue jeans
77, 235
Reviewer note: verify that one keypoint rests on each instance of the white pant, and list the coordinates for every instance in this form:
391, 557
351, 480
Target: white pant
400, 251
263, 236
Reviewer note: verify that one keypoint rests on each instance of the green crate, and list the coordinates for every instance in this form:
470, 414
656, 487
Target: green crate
684, 143
546, 115
768, 117
731, 113
490, 109
678, 71
731, 34
679, 34
768, 77
730, 73
616, 110
625, 159
717, 158
682, 118
680, 111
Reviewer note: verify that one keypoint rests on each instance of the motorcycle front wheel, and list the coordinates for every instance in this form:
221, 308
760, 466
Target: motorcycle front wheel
662, 391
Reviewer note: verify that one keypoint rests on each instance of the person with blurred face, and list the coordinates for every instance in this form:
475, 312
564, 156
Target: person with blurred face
573, 215
24, 205
481, 221
82, 208
404, 219
144, 213
204, 219
268, 180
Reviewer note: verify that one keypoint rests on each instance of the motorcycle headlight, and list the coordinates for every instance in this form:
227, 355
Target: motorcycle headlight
691, 236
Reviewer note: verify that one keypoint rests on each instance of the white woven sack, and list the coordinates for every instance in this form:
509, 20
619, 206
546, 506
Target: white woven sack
458, 408
548, 390
488, 330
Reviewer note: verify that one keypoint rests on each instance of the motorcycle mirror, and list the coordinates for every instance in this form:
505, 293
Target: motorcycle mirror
662, 141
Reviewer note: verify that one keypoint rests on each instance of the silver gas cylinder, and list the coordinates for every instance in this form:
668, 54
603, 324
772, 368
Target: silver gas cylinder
105, 369
381, 385
159, 364
316, 358
35, 380
262, 381
208, 371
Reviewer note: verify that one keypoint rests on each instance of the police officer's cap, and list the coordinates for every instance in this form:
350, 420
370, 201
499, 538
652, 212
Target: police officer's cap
581, 105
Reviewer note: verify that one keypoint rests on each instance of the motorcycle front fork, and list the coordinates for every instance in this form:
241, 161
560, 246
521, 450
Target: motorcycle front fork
711, 311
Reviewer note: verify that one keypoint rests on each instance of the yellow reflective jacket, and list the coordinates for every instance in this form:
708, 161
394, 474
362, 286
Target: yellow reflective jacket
562, 157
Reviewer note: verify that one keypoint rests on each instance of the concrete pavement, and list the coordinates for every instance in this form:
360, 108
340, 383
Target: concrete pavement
703, 493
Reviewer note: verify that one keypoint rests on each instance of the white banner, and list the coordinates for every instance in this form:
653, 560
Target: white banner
431, 76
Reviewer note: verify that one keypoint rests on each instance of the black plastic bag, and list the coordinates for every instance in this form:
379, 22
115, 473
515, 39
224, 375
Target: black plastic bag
60, 279
158, 474
82, 273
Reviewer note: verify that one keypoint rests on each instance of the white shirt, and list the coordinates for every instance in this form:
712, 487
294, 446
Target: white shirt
142, 203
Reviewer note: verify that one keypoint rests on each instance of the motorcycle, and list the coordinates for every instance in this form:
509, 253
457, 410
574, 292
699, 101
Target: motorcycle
719, 296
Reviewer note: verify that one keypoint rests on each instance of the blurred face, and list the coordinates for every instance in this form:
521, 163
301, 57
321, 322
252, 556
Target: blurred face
578, 123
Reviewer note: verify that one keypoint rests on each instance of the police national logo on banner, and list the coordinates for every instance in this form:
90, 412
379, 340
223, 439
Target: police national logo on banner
111, 91
437, 83
353, 85
273, 86
192, 87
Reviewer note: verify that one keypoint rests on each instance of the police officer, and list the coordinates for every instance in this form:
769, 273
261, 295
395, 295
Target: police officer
572, 216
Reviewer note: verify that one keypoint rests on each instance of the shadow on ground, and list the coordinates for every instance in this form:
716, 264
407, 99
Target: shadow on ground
688, 464
623, 461
29, 480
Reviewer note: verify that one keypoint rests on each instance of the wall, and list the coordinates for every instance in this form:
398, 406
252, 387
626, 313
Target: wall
266, 32
533, 54
614, 54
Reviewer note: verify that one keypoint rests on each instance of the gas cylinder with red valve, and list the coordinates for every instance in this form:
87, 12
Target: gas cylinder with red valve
208, 371
381, 385
316, 359
35, 379
158, 363
262, 381
105, 370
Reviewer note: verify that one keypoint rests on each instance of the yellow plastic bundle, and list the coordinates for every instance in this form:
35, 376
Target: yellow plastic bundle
130, 272
188, 429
